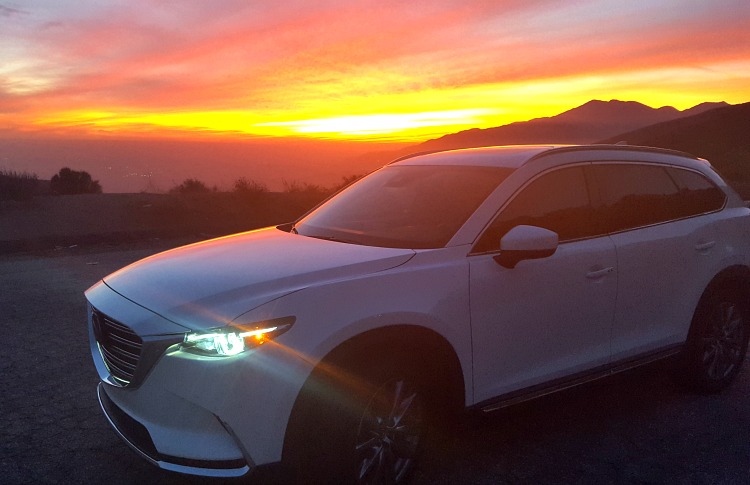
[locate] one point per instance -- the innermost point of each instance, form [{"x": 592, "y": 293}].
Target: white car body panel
[
  {"x": 431, "y": 291},
  {"x": 243, "y": 391},
  {"x": 543, "y": 319},
  {"x": 212, "y": 283},
  {"x": 659, "y": 268}
]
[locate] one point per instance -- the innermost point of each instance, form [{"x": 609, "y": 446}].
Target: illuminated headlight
[{"x": 235, "y": 339}]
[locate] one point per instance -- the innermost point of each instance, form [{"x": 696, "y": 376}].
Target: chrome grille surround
[{"x": 119, "y": 347}]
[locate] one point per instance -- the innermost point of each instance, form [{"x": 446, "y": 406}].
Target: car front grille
[{"x": 119, "y": 346}]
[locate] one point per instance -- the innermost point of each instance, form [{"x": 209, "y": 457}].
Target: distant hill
[
  {"x": 587, "y": 123},
  {"x": 721, "y": 135}
]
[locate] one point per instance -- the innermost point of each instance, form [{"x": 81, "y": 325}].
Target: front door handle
[
  {"x": 705, "y": 246},
  {"x": 599, "y": 273}
]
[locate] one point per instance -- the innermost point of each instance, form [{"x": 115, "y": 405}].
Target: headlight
[{"x": 235, "y": 339}]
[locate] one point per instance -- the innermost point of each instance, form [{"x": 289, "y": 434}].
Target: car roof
[
  {"x": 519, "y": 155},
  {"x": 500, "y": 156}
]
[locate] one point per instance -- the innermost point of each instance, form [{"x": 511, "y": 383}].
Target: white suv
[{"x": 462, "y": 279}]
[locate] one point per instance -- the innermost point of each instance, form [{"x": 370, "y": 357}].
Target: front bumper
[
  {"x": 192, "y": 414},
  {"x": 139, "y": 439}
]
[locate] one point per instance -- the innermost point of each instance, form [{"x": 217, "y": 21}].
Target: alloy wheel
[
  {"x": 389, "y": 434},
  {"x": 722, "y": 344}
]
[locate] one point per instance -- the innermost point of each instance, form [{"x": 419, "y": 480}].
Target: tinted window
[
  {"x": 641, "y": 195},
  {"x": 558, "y": 201},
  {"x": 698, "y": 195}
]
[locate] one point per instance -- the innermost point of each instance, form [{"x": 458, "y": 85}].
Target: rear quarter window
[
  {"x": 698, "y": 195},
  {"x": 635, "y": 195}
]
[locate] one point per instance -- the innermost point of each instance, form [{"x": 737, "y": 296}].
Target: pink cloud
[{"x": 162, "y": 55}]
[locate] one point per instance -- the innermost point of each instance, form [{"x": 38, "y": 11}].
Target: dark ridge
[
  {"x": 720, "y": 135},
  {"x": 587, "y": 123}
]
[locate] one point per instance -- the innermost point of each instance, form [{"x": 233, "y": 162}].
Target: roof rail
[
  {"x": 620, "y": 146},
  {"x": 417, "y": 154}
]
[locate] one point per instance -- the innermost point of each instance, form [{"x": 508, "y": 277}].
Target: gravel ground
[{"x": 637, "y": 427}]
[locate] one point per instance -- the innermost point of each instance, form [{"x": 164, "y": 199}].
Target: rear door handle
[
  {"x": 705, "y": 246},
  {"x": 599, "y": 273}
]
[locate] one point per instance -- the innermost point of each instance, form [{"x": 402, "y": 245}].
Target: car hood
[{"x": 212, "y": 283}]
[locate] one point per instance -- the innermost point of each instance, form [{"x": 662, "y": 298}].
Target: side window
[
  {"x": 698, "y": 195},
  {"x": 641, "y": 195},
  {"x": 558, "y": 201}
]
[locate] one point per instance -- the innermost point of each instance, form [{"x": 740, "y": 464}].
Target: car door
[
  {"x": 547, "y": 318},
  {"x": 666, "y": 245}
]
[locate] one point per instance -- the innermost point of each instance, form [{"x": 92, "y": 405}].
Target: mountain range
[
  {"x": 595, "y": 120},
  {"x": 720, "y": 135},
  {"x": 718, "y": 132}
]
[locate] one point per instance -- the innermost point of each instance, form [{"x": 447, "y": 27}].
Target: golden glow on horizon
[
  {"x": 390, "y": 125},
  {"x": 418, "y": 115}
]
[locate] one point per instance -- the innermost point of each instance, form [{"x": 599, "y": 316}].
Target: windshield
[{"x": 404, "y": 206}]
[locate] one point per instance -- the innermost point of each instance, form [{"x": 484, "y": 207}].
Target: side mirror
[{"x": 526, "y": 242}]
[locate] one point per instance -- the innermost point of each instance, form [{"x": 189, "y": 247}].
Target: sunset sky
[{"x": 374, "y": 70}]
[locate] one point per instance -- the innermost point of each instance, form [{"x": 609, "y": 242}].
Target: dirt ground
[{"x": 637, "y": 427}]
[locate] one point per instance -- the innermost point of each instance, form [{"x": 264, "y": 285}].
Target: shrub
[
  {"x": 245, "y": 186},
  {"x": 295, "y": 187},
  {"x": 346, "y": 180},
  {"x": 68, "y": 181},
  {"x": 18, "y": 185},
  {"x": 190, "y": 186}
]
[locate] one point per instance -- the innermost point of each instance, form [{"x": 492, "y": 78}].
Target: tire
[
  {"x": 364, "y": 425},
  {"x": 717, "y": 342}
]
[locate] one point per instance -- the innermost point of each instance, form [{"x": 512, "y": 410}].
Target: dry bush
[
  {"x": 249, "y": 190},
  {"x": 18, "y": 186},
  {"x": 190, "y": 186},
  {"x": 346, "y": 181}
]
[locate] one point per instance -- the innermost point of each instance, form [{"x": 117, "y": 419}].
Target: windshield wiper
[{"x": 335, "y": 239}]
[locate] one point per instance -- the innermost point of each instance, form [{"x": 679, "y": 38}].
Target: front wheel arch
[{"x": 424, "y": 356}]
